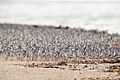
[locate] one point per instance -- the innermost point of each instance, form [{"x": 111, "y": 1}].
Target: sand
[{"x": 18, "y": 70}]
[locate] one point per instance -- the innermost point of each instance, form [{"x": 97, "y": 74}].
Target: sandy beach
[
  {"x": 49, "y": 70},
  {"x": 59, "y": 40},
  {"x": 35, "y": 52}
]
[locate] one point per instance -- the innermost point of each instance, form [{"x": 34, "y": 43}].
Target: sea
[{"x": 97, "y": 15}]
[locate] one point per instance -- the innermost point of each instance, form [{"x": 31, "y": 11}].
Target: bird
[
  {"x": 35, "y": 26},
  {"x": 59, "y": 27}
]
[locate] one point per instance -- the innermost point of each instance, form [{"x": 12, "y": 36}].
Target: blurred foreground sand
[{"x": 17, "y": 70}]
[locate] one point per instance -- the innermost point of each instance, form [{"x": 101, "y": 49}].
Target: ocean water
[{"x": 88, "y": 15}]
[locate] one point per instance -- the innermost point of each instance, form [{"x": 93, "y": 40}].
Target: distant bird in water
[
  {"x": 59, "y": 27},
  {"x": 35, "y": 26},
  {"x": 66, "y": 27}
]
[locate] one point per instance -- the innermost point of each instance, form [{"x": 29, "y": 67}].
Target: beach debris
[
  {"x": 74, "y": 69},
  {"x": 31, "y": 65},
  {"x": 62, "y": 68},
  {"x": 48, "y": 65},
  {"x": 75, "y": 79},
  {"x": 85, "y": 66},
  {"x": 109, "y": 70},
  {"x": 42, "y": 65},
  {"x": 62, "y": 63},
  {"x": 112, "y": 68},
  {"x": 87, "y": 62},
  {"x": 112, "y": 61}
]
